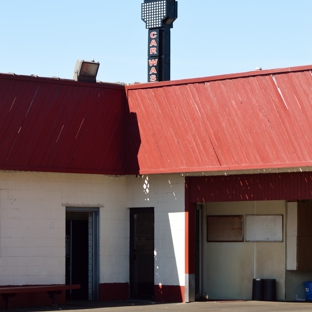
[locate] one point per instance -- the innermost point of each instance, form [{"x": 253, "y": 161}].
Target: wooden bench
[{"x": 52, "y": 290}]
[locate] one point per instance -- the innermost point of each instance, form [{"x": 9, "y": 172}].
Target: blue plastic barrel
[{"x": 308, "y": 290}]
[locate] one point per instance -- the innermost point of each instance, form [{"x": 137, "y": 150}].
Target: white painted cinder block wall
[
  {"x": 32, "y": 224},
  {"x": 165, "y": 193}
]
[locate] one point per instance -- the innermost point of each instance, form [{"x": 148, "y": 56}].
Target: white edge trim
[{"x": 83, "y": 205}]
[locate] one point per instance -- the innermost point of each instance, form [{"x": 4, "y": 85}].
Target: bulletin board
[
  {"x": 225, "y": 228},
  {"x": 264, "y": 228}
]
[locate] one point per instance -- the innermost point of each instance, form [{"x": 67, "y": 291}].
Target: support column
[{"x": 190, "y": 245}]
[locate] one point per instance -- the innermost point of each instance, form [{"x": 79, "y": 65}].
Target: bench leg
[
  {"x": 6, "y": 300},
  {"x": 53, "y": 295}
]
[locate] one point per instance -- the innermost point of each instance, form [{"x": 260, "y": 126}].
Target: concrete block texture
[
  {"x": 165, "y": 193},
  {"x": 32, "y": 222},
  {"x": 33, "y": 214}
]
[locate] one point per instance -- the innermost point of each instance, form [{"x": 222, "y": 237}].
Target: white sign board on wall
[{"x": 264, "y": 228}]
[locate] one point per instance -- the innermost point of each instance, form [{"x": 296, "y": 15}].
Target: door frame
[
  {"x": 95, "y": 231},
  {"x": 132, "y": 211},
  {"x": 199, "y": 252}
]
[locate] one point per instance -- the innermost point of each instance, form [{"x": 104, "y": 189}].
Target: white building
[{"x": 133, "y": 192}]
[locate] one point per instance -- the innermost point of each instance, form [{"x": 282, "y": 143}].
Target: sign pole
[{"x": 159, "y": 16}]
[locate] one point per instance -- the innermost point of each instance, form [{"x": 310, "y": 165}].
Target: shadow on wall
[
  {"x": 132, "y": 144},
  {"x": 295, "y": 284}
]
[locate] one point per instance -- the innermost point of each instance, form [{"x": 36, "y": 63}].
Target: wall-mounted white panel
[{"x": 264, "y": 228}]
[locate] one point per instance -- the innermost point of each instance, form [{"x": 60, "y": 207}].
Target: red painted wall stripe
[
  {"x": 113, "y": 291},
  {"x": 169, "y": 293}
]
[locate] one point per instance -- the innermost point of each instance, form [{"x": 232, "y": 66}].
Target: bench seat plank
[
  {"x": 52, "y": 290},
  {"x": 22, "y": 289}
]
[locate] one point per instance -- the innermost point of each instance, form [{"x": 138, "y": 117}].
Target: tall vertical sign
[
  {"x": 159, "y": 16},
  {"x": 153, "y": 55}
]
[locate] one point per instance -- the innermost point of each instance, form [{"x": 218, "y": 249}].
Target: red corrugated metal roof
[
  {"x": 61, "y": 125},
  {"x": 231, "y": 123},
  {"x": 255, "y": 120}
]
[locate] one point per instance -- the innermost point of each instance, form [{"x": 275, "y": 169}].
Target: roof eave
[
  {"x": 253, "y": 73},
  {"x": 233, "y": 170}
]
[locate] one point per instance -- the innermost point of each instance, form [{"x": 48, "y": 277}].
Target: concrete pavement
[{"x": 215, "y": 306}]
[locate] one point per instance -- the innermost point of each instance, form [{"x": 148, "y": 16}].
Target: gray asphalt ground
[{"x": 216, "y": 306}]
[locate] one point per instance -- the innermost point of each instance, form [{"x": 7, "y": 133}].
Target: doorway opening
[
  {"x": 82, "y": 252},
  {"x": 142, "y": 253},
  {"x": 198, "y": 254}
]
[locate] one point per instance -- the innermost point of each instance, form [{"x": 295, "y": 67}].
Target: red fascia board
[
  {"x": 205, "y": 170},
  {"x": 63, "y": 170},
  {"x": 219, "y": 77},
  {"x": 226, "y": 169}
]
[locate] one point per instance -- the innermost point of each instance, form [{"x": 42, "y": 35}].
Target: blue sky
[{"x": 46, "y": 37}]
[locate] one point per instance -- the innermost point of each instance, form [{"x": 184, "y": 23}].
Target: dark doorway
[
  {"x": 82, "y": 253},
  {"x": 142, "y": 253},
  {"x": 198, "y": 254}
]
